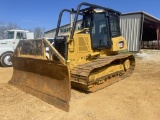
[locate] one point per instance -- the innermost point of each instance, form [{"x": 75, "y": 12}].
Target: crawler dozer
[{"x": 85, "y": 59}]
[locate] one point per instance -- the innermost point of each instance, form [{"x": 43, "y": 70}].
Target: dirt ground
[{"x": 134, "y": 98}]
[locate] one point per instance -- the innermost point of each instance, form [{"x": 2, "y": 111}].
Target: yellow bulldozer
[{"x": 85, "y": 59}]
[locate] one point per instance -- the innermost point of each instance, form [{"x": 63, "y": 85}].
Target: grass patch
[{"x": 128, "y": 52}]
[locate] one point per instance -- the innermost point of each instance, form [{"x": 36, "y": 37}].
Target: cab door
[
  {"x": 100, "y": 32},
  {"x": 19, "y": 36}
]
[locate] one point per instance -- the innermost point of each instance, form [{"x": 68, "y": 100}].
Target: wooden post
[
  {"x": 18, "y": 52},
  {"x": 50, "y": 54},
  {"x": 158, "y": 37},
  {"x": 44, "y": 50}
]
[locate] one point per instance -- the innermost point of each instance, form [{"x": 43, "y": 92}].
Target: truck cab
[{"x": 10, "y": 42}]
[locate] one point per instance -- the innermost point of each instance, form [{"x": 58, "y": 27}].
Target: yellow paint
[
  {"x": 80, "y": 50},
  {"x": 102, "y": 72}
]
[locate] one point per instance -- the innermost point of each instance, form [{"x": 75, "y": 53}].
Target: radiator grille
[
  {"x": 61, "y": 46},
  {"x": 83, "y": 47}
]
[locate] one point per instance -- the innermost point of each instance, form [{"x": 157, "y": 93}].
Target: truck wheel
[{"x": 6, "y": 60}]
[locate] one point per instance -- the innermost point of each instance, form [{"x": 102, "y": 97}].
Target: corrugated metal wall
[
  {"x": 50, "y": 34},
  {"x": 130, "y": 28}
]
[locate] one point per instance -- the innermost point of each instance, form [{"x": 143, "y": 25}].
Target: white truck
[{"x": 10, "y": 42}]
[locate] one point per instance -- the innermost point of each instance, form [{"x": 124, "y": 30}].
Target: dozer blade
[{"x": 45, "y": 79}]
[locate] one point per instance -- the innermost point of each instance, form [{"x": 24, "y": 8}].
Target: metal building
[
  {"x": 63, "y": 30},
  {"x": 140, "y": 29}
]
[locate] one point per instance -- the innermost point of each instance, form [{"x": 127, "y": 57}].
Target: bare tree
[
  {"x": 4, "y": 27},
  {"x": 38, "y": 32},
  {"x": 12, "y": 26}
]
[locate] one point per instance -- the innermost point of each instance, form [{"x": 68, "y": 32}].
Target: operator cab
[
  {"x": 103, "y": 26},
  {"x": 15, "y": 34}
]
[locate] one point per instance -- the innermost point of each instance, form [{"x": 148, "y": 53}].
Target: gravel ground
[{"x": 134, "y": 98}]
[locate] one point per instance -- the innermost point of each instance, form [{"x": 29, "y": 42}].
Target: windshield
[
  {"x": 9, "y": 35},
  {"x": 86, "y": 21},
  {"x": 100, "y": 31}
]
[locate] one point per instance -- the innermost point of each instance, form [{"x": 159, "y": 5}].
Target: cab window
[
  {"x": 9, "y": 35},
  {"x": 21, "y": 35},
  {"x": 114, "y": 25},
  {"x": 99, "y": 31}
]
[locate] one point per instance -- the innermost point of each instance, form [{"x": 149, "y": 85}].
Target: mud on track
[{"x": 136, "y": 97}]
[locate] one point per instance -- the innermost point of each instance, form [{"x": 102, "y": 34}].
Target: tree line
[{"x": 38, "y": 31}]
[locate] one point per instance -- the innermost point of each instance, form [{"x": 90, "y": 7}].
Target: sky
[{"x": 29, "y": 14}]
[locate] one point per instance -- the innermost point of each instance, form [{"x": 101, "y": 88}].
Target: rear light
[{"x": 121, "y": 44}]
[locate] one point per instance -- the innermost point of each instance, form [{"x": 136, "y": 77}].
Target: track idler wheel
[{"x": 126, "y": 64}]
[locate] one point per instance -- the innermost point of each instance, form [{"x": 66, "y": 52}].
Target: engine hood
[{"x": 6, "y": 40}]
